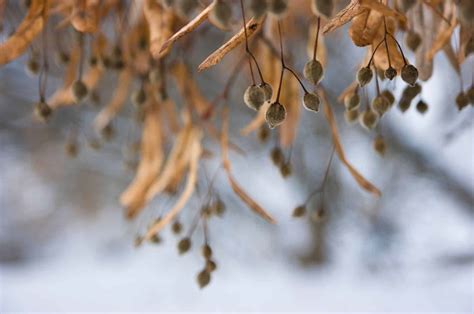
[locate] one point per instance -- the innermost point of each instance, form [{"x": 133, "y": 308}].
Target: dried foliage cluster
[{"x": 150, "y": 41}]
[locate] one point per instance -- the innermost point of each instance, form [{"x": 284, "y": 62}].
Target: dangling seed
[
  {"x": 176, "y": 227},
  {"x": 42, "y": 111},
  {"x": 184, "y": 245},
  {"x": 206, "y": 251},
  {"x": 404, "y": 104},
  {"x": 278, "y": 7},
  {"x": 411, "y": 92},
  {"x": 390, "y": 73},
  {"x": 311, "y": 102},
  {"x": 32, "y": 66},
  {"x": 277, "y": 156},
  {"x": 352, "y": 101},
  {"x": 79, "y": 90},
  {"x": 263, "y": 133},
  {"x": 210, "y": 265},
  {"x": 409, "y": 74},
  {"x": 351, "y": 116},
  {"x": 318, "y": 215},
  {"x": 388, "y": 96},
  {"x": 313, "y": 71},
  {"x": 62, "y": 58},
  {"x": 380, "y": 105},
  {"x": 285, "y": 170},
  {"x": 221, "y": 14},
  {"x": 219, "y": 207},
  {"x": 364, "y": 76},
  {"x": 412, "y": 40},
  {"x": 155, "y": 239},
  {"x": 299, "y": 211},
  {"x": 203, "y": 278},
  {"x": 379, "y": 145},
  {"x": 267, "y": 91},
  {"x": 138, "y": 97},
  {"x": 93, "y": 61},
  {"x": 71, "y": 149},
  {"x": 108, "y": 132},
  {"x": 369, "y": 119},
  {"x": 322, "y": 7},
  {"x": 258, "y": 7},
  {"x": 275, "y": 115},
  {"x": 462, "y": 100},
  {"x": 254, "y": 97},
  {"x": 422, "y": 107}
]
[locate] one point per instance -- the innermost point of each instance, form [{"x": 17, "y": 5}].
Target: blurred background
[{"x": 66, "y": 246}]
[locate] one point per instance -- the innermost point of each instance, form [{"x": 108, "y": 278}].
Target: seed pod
[
  {"x": 221, "y": 14},
  {"x": 155, "y": 239},
  {"x": 369, "y": 119},
  {"x": 263, "y": 133},
  {"x": 462, "y": 100},
  {"x": 322, "y": 7},
  {"x": 203, "y": 278},
  {"x": 285, "y": 169},
  {"x": 277, "y": 156},
  {"x": 351, "y": 116},
  {"x": 185, "y": 8},
  {"x": 299, "y": 211},
  {"x": 364, "y": 76},
  {"x": 469, "y": 48},
  {"x": 278, "y": 7},
  {"x": 254, "y": 97},
  {"x": 184, "y": 245},
  {"x": 210, "y": 265},
  {"x": 313, "y": 71},
  {"x": 275, "y": 115},
  {"x": 71, "y": 149},
  {"x": 206, "y": 251},
  {"x": 32, "y": 66},
  {"x": 404, "y": 104},
  {"x": 79, "y": 90},
  {"x": 138, "y": 97},
  {"x": 352, "y": 101},
  {"x": 176, "y": 227},
  {"x": 412, "y": 40},
  {"x": 42, "y": 111},
  {"x": 422, "y": 107},
  {"x": 409, "y": 74},
  {"x": 311, "y": 102},
  {"x": 379, "y": 145},
  {"x": 62, "y": 58},
  {"x": 108, "y": 132},
  {"x": 258, "y": 7},
  {"x": 470, "y": 94},
  {"x": 219, "y": 207},
  {"x": 267, "y": 90},
  {"x": 388, "y": 96},
  {"x": 411, "y": 92},
  {"x": 390, "y": 73},
  {"x": 380, "y": 105},
  {"x": 318, "y": 215}
]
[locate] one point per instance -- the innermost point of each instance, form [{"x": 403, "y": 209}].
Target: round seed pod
[
  {"x": 155, "y": 239},
  {"x": 206, "y": 251},
  {"x": 409, "y": 74},
  {"x": 311, "y": 102},
  {"x": 278, "y": 7},
  {"x": 176, "y": 227},
  {"x": 263, "y": 133},
  {"x": 352, "y": 101},
  {"x": 42, "y": 111},
  {"x": 210, "y": 265},
  {"x": 184, "y": 245},
  {"x": 138, "y": 97},
  {"x": 388, "y": 96},
  {"x": 221, "y": 14},
  {"x": 185, "y": 8},
  {"x": 93, "y": 61},
  {"x": 390, "y": 73},
  {"x": 285, "y": 169},
  {"x": 254, "y": 97},
  {"x": 470, "y": 94},
  {"x": 412, "y": 40},
  {"x": 380, "y": 105},
  {"x": 277, "y": 156},
  {"x": 379, "y": 145},
  {"x": 71, "y": 149},
  {"x": 411, "y": 92},
  {"x": 322, "y": 7},
  {"x": 462, "y": 100},
  {"x": 364, "y": 76},
  {"x": 62, "y": 58},
  {"x": 469, "y": 48},
  {"x": 351, "y": 116},
  {"x": 108, "y": 132},
  {"x": 267, "y": 90},
  {"x": 275, "y": 115},
  {"x": 299, "y": 211},
  {"x": 422, "y": 107},
  {"x": 369, "y": 119},
  {"x": 32, "y": 66},
  {"x": 313, "y": 71},
  {"x": 404, "y": 104},
  {"x": 258, "y": 7},
  {"x": 79, "y": 90},
  {"x": 203, "y": 278},
  {"x": 219, "y": 207}
]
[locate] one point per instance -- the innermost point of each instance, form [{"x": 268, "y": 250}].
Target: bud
[
  {"x": 390, "y": 73},
  {"x": 184, "y": 245},
  {"x": 221, "y": 14},
  {"x": 275, "y": 115},
  {"x": 351, "y": 116},
  {"x": 369, "y": 119},
  {"x": 409, "y": 74},
  {"x": 42, "y": 111},
  {"x": 422, "y": 107},
  {"x": 379, "y": 145},
  {"x": 311, "y": 102},
  {"x": 299, "y": 211},
  {"x": 278, "y": 7},
  {"x": 203, "y": 278},
  {"x": 322, "y": 7},
  {"x": 352, "y": 101},
  {"x": 258, "y": 7},
  {"x": 412, "y": 40},
  {"x": 254, "y": 97},
  {"x": 313, "y": 71},
  {"x": 79, "y": 90},
  {"x": 364, "y": 76}
]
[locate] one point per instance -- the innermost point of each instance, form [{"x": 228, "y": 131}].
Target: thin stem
[
  {"x": 43, "y": 77},
  {"x": 375, "y": 50},
  {"x": 320, "y": 188},
  {"x": 317, "y": 39},
  {"x": 399, "y": 47},
  {"x": 386, "y": 43}
]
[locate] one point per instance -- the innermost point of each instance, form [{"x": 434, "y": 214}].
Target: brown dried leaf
[
  {"x": 442, "y": 39},
  {"x": 344, "y": 16},
  {"x": 291, "y": 99},
  {"x": 160, "y": 24},
  {"x": 85, "y": 16},
  {"x": 383, "y": 9}
]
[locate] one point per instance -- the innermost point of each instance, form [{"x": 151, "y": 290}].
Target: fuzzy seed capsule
[
  {"x": 369, "y": 119},
  {"x": 267, "y": 91},
  {"x": 258, "y": 7},
  {"x": 275, "y": 115},
  {"x": 219, "y": 207},
  {"x": 278, "y": 7},
  {"x": 155, "y": 239},
  {"x": 412, "y": 40},
  {"x": 379, "y": 145},
  {"x": 322, "y": 7},
  {"x": 388, "y": 96},
  {"x": 285, "y": 170},
  {"x": 210, "y": 265},
  {"x": 184, "y": 245},
  {"x": 138, "y": 97},
  {"x": 411, "y": 92},
  {"x": 277, "y": 156},
  {"x": 221, "y": 14},
  {"x": 32, "y": 66},
  {"x": 351, "y": 116},
  {"x": 390, "y": 73},
  {"x": 206, "y": 251},
  {"x": 254, "y": 97},
  {"x": 404, "y": 104},
  {"x": 79, "y": 90},
  {"x": 311, "y": 102},
  {"x": 42, "y": 111},
  {"x": 409, "y": 74},
  {"x": 176, "y": 227},
  {"x": 462, "y": 100},
  {"x": 422, "y": 107},
  {"x": 313, "y": 71},
  {"x": 203, "y": 278},
  {"x": 380, "y": 105},
  {"x": 352, "y": 101},
  {"x": 364, "y": 76},
  {"x": 299, "y": 211}
]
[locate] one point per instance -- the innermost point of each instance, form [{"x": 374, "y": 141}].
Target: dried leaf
[
  {"x": 344, "y": 16},
  {"x": 442, "y": 39},
  {"x": 291, "y": 99},
  {"x": 383, "y": 9},
  {"x": 85, "y": 16},
  {"x": 160, "y": 24}
]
